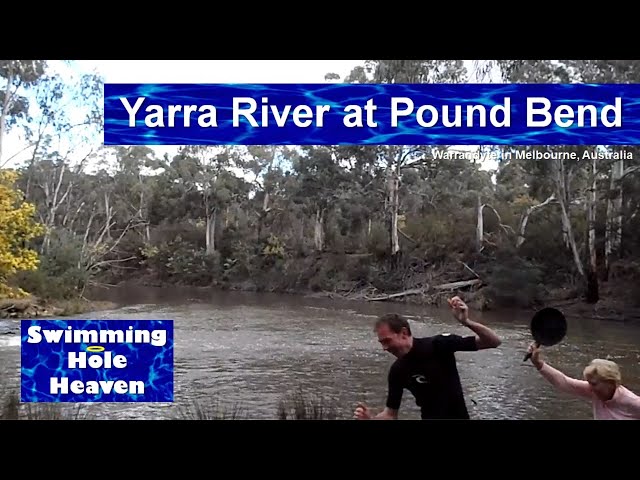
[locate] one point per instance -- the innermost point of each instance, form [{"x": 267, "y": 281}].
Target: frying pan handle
[{"x": 528, "y": 355}]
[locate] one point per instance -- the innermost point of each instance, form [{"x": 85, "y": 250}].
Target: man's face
[{"x": 394, "y": 343}]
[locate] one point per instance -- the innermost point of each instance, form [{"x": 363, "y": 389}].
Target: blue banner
[
  {"x": 97, "y": 361},
  {"x": 372, "y": 114}
]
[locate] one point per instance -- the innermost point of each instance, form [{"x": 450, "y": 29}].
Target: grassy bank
[{"x": 291, "y": 406}]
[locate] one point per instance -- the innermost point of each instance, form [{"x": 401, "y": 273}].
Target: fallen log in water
[
  {"x": 423, "y": 290},
  {"x": 413, "y": 291},
  {"x": 461, "y": 284}
]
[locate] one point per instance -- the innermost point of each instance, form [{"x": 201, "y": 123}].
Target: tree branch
[
  {"x": 525, "y": 218},
  {"x": 506, "y": 228},
  {"x": 629, "y": 170}
]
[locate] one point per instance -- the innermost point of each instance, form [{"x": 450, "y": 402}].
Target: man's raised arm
[{"x": 485, "y": 337}]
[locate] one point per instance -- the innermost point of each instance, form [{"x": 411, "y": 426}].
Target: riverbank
[
  {"x": 490, "y": 295},
  {"x": 33, "y": 307},
  {"x": 611, "y": 307},
  {"x": 608, "y": 308},
  {"x": 486, "y": 284}
]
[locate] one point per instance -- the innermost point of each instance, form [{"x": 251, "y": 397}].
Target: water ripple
[{"x": 254, "y": 353}]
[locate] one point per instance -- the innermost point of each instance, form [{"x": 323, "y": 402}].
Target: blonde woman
[{"x": 602, "y": 385}]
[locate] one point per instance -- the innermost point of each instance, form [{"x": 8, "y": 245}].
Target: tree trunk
[
  {"x": 108, "y": 213},
  {"x": 613, "y": 229},
  {"x": 53, "y": 202},
  {"x": 561, "y": 186},
  {"x": 6, "y": 104},
  {"x": 393, "y": 186},
  {"x": 262, "y": 215},
  {"x": 318, "y": 230},
  {"x": 592, "y": 294},
  {"x": 211, "y": 232},
  {"x": 142, "y": 210},
  {"x": 566, "y": 223},
  {"x": 479, "y": 225}
]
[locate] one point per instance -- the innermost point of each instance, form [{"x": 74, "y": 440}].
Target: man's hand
[
  {"x": 534, "y": 350},
  {"x": 485, "y": 337},
  {"x": 460, "y": 310},
  {"x": 362, "y": 412}
]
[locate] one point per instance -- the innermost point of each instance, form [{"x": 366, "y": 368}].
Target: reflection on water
[{"x": 249, "y": 350}]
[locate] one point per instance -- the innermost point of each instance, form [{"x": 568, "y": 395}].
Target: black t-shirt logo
[{"x": 420, "y": 379}]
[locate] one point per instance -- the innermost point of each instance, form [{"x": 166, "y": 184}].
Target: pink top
[{"x": 624, "y": 405}]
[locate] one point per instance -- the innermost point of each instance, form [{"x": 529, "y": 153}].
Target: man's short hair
[{"x": 394, "y": 321}]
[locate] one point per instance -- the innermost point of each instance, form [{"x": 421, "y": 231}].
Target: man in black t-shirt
[{"x": 427, "y": 366}]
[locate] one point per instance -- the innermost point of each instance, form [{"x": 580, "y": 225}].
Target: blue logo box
[{"x": 97, "y": 361}]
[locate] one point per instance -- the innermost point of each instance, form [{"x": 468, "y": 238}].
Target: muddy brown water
[{"x": 249, "y": 351}]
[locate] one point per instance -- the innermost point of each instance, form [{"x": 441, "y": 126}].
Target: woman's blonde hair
[{"x": 606, "y": 370}]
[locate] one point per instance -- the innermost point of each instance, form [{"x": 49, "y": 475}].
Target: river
[{"x": 248, "y": 351}]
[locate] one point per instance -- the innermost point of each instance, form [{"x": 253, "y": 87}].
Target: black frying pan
[{"x": 548, "y": 327}]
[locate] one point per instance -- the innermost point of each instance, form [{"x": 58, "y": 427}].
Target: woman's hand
[{"x": 534, "y": 350}]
